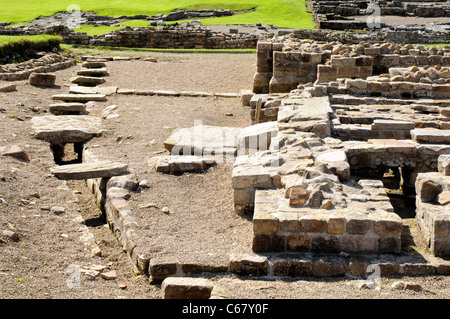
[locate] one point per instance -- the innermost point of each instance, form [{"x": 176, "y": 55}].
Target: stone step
[
  {"x": 431, "y": 136},
  {"x": 66, "y": 108},
  {"x": 59, "y": 130},
  {"x": 79, "y": 97},
  {"x": 346, "y": 99},
  {"x": 93, "y": 65},
  {"x": 83, "y": 171},
  {"x": 87, "y": 80},
  {"x": 93, "y": 72},
  {"x": 379, "y": 125},
  {"x": 83, "y": 90}
]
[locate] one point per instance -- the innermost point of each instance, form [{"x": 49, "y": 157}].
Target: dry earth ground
[{"x": 201, "y": 222}]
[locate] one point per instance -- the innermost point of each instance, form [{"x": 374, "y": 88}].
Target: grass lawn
[
  {"x": 4, "y": 40},
  {"x": 281, "y": 13}
]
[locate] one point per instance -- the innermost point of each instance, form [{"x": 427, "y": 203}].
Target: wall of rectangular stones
[
  {"x": 346, "y": 67},
  {"x": 433, "y": 213},
  {"x": 165, "y": 38},
  {"x": 293, "y": 68},
  {"x": 341, "y": 230}
]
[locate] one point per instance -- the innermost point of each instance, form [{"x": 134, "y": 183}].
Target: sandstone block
[
  {"x": 186, "y": 288},
  {"x": 42, "y": 79}
]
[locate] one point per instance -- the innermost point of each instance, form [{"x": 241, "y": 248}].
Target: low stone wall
[
  {"x": 166, "y": 38},
  {"x": 281, "y": 67},
  {"x": 49, "y": 63},
  {"x": 432, "y": 213}
]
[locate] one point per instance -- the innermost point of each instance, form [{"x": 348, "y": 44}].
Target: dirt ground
[{"x": 201, "y": 221}]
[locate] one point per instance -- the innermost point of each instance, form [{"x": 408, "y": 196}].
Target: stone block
[
  {"x": 83, "y": 171},
  {"x": 358, "y": 225},
  {"x": 336, "y": 225},
  {"x": 353, "y": 243},
  {"x": 292, "y": 267},
  {"x": 246, "y": 96},
  {"x": 187, "y": 288},
  {"x": 289, "y": 222},
  {"x": 42, "y": 79},
  {"x": 251, "y": 177},
  {"x": 297, "y": 196},
  {"x": 431, "y": 136},
  {"x": 324, "y": 267},
  {"x": 246, "y": 264},
  {"x": 313, "y": 224},
  {"x": 389, "y": 245},
  {"x": 297, "y": 242},
  {"x": 264, "y": 222},
  {"x": 265, "y": 242},
  {"x": 390, "y": 228}
]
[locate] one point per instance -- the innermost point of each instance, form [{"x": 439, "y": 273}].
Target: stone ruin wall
[
  {"x": 282, "y": 68},
  {"x": 337, "y": 14},
  {"x": 160, "y": 37},
  {"x": 366, "y": 108}
]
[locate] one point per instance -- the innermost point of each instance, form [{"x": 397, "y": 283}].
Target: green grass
[
  {"x": 14, "y": 49},
  {"x": 281, "y": 13},
  {"x": 4, "y": 40}
]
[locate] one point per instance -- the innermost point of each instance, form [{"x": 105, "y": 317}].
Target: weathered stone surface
[
  {"x": 93, "y": 72},
  {"x": 431, "y": 136},
  {"x": 125, "y": 181},
  {"x": 245, "y": 264},
  {"x": 379, "y": 125},
  {"x": 187, "y": 288},
  {"x": 15, "y": 151},
  {"x": 292, "y": 267},
  {"x": 79, "y": 97},
  {"x": 7, "y": 88},
  {"x": 59, "y": 130},
  {"x": 444, "y": 164},
  {"x": 42, "y": 79},
  {"x": 428, "y": 190},
  {"x": 203, "y": 140},
  {"x": 93, "y": 65},
  {"x": 297, "y": 196},
  {"x": 258, "y": 136},
  {"x": 250, "y": 177},
  {"x": 337, "y": 163},
  {"x": 107, "y": 90},
  {"x": 67, "y": 108},
  {"x": 87, "y": 80},
  {"x": 83, "y": 90},
  {"x": 183, "y": 163},
  {"x": 89, "y": 170}
]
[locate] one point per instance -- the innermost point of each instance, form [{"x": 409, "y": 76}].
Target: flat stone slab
[
  {"x": 93, "y": 65},
  {"x": 166, "y": 93},
  {"x": 172, "y": 164},
  {"x": 93, "y": 72},
  {"x": 380, "y": 125},
  {"x": 203, "y": 140},
  {"x": 7, "y": 88},
  {"x": 83, "y": 90},
  {"x": 59, "y": 130},
  {"x": 66, "y": 108},
  {"x": 431, "y": 136},
  {"x": 79, "y": 97},
  {"x": 107, "y": 90},
  {"x": 87, "y": 80},
  {"x": 84, "y": 171},
  {"x": 187, "y": 288}
]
